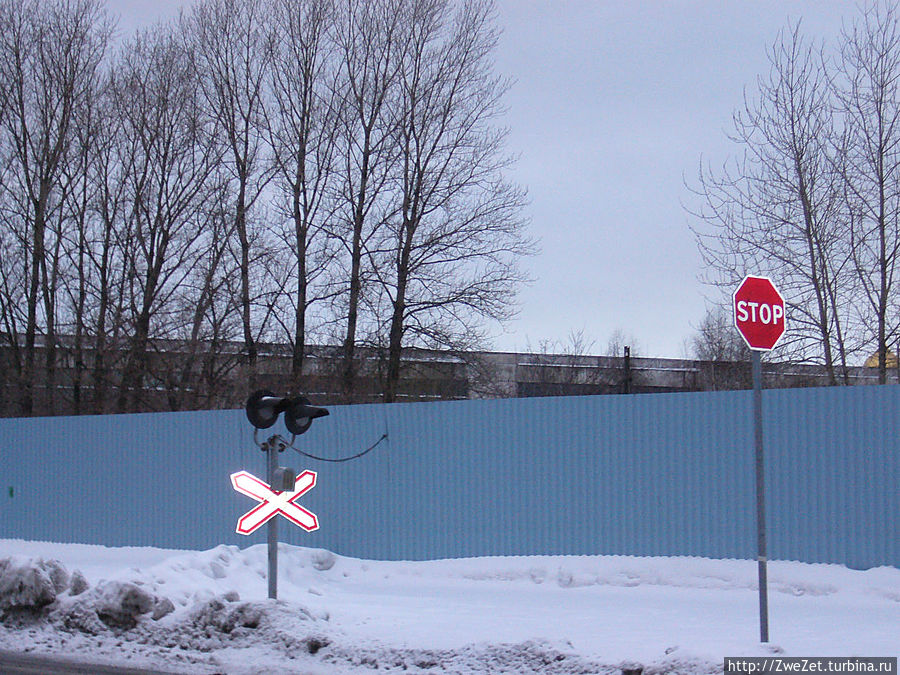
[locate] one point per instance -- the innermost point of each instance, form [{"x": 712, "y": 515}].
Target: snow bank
[
  {"x": 208, "y": 612},
  {"x": 28, "y": 585}
]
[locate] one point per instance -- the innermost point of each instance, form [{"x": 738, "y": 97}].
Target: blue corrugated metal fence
[{"x": 660, "y": 474}]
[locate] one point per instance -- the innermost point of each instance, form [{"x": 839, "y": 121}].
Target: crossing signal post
[{"x": 263, "y": 409}]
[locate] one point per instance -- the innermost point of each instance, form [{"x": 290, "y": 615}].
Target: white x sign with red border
[{"x": 273, "y": 502}]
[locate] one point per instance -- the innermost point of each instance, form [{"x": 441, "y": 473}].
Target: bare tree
[
  {"x": 78, "y": 174},
  {"x": 717, "y": 339},
  {"x": 170, "y": 155},
  {"x": 619, "y": 340},
  {"x": 869, "y": 95},
  {"x": 107, "y": 241},
  {"x": 369, "y": 42},
  {"x": 49, "y": 54},
  {"x": 565, "y": 368},
  {"x": 134, "y": 188},
  {"x": 723, "y": 355},
  {"x": 207, "y": 315},
  {"x": 230, "y": 43},
  {"x": 778, "y": 211},
  {"x": 303, "y": 125},
  {"x": 11, "y": 280},
  {"x": 448, "y": 259}
]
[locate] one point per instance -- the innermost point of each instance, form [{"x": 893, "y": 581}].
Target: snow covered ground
[{"x": 207, "y": 612}]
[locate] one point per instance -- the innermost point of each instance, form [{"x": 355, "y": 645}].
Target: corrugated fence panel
[
  {"x": 833, "y": 472},
  {"x": 352, "y": 499},
  {"x": 661, "y": 474},
  {"x": 118, "y": 480}
]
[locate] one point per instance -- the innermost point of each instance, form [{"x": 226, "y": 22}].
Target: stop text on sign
[
  {"x": 759, "y": 313},
  {"x": 766, "y": 314}
]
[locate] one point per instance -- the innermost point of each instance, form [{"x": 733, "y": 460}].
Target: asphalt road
[{"x": 18, "y": 663}]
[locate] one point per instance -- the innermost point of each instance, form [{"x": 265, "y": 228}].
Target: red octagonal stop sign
[{"x": 759, "y": 313}]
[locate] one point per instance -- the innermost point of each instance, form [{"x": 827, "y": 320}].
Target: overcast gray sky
[{"x": 614, "y": 104}]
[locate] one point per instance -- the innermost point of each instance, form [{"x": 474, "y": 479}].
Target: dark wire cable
[{"x": 340, "y": 459}]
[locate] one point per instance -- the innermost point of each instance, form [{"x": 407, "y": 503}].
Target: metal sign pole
[
  {"x": 760, "y": 499},
  {"x": 263, "y": 408},
  {"x": 761, "y": 318},
  {"x": 272, "y": 534}
]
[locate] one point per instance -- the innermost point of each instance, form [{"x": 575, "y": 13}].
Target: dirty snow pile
[{"x": 207, "y": 612}]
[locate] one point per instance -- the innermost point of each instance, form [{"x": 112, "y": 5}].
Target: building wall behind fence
[{"x": 660, "y": 474}]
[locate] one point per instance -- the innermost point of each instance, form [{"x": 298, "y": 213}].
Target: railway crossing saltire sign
[{"x": 274, "y": 502}]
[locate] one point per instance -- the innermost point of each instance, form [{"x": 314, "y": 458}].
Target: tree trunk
[
  {"x": 37, "y": 256},
  {"x": 300, "y": 230},
  {"x": 241, "y": 223},
  {"x": 398, "y": 316},
  {"x": 349, "y": 371}
]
